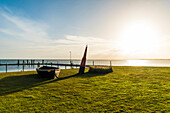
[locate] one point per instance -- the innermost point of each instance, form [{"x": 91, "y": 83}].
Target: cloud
[
  {"x": 37, "y": 32},
  {"x": 31, "y": 38},
  {"x": 79, "y": 40},
  {"x": 23, "y": 28}
]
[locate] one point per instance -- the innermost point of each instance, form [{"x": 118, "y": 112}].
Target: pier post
[
  {"x": 51, "y": 64},
  {"x": 65, "y": 66},
  {"x": 71, "y": 65},
  {"x": 93, "y": 62},
  {"x": 38, "y": 64},
  {"x": 23, "y": 66},
  {"x": 42, "y": 62},
  {"x": 6, "y": 67},
  {"x": 18, "y": 62},
  {"x": 110, "y": 63}
]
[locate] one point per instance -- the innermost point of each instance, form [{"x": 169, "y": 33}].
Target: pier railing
[{"x": 32, "y": 63}]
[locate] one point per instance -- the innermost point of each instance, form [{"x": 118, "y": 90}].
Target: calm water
[{"x": 158, "y": 63}]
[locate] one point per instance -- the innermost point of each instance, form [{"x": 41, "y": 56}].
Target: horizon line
[{"x": 78, "y": 59}]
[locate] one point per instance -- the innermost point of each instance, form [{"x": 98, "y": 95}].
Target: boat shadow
[
  {"x": 85, "y": 75},
  {"x": 13, "y": 84}
]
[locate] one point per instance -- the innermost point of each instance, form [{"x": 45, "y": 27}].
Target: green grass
[{"x": 127, "y": 89}]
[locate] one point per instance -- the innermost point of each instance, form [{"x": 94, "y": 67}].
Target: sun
[{"x": 138, "y": 36}]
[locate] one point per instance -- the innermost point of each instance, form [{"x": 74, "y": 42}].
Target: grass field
[{"x": 127, "y": 89}]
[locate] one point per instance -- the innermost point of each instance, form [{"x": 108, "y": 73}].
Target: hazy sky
[{"x": 114, "y": 29}]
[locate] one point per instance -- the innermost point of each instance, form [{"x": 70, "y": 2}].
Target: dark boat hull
[{"x": 48, "y": 72}]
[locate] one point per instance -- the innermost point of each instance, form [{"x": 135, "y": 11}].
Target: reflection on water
[
  {"x": 154, "y": 63},
  {"x": 137, "y": 62}
]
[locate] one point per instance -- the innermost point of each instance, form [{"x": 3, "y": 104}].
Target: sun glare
[
  {"x": 138, "y": 36},
  {"x": 137, "y": 62}
]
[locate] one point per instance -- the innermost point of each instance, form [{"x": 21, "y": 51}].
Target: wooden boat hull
[{"x": 48, "y": 72}]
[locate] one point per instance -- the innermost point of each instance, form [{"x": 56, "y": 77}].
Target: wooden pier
[
  {"x": 40, "y": 64},
  {"x": 24, "y": 63}
]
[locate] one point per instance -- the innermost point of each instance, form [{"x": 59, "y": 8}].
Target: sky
[{"x": 112, "y": 29}]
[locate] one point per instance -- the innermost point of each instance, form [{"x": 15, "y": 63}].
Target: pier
[
  {"x": 39, "y": 64},
  {"x": 30, "y": 63}
]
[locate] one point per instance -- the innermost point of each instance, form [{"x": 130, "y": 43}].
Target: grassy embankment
[{"x": 127, "y": 89}]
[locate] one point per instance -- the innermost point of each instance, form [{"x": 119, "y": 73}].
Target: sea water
[{"x": 14, "y": 68}]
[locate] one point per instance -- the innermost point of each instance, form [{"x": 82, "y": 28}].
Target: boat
[{"x": 48, "y": 72}]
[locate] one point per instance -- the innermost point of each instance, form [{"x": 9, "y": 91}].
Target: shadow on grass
[
  {"x": 12, "y": 84},
  {"x": 89, "y": 74},
  {"x": 85, "y": 75}
]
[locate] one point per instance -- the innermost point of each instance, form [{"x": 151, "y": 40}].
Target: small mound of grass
[{"x": 100, "y": 69}]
